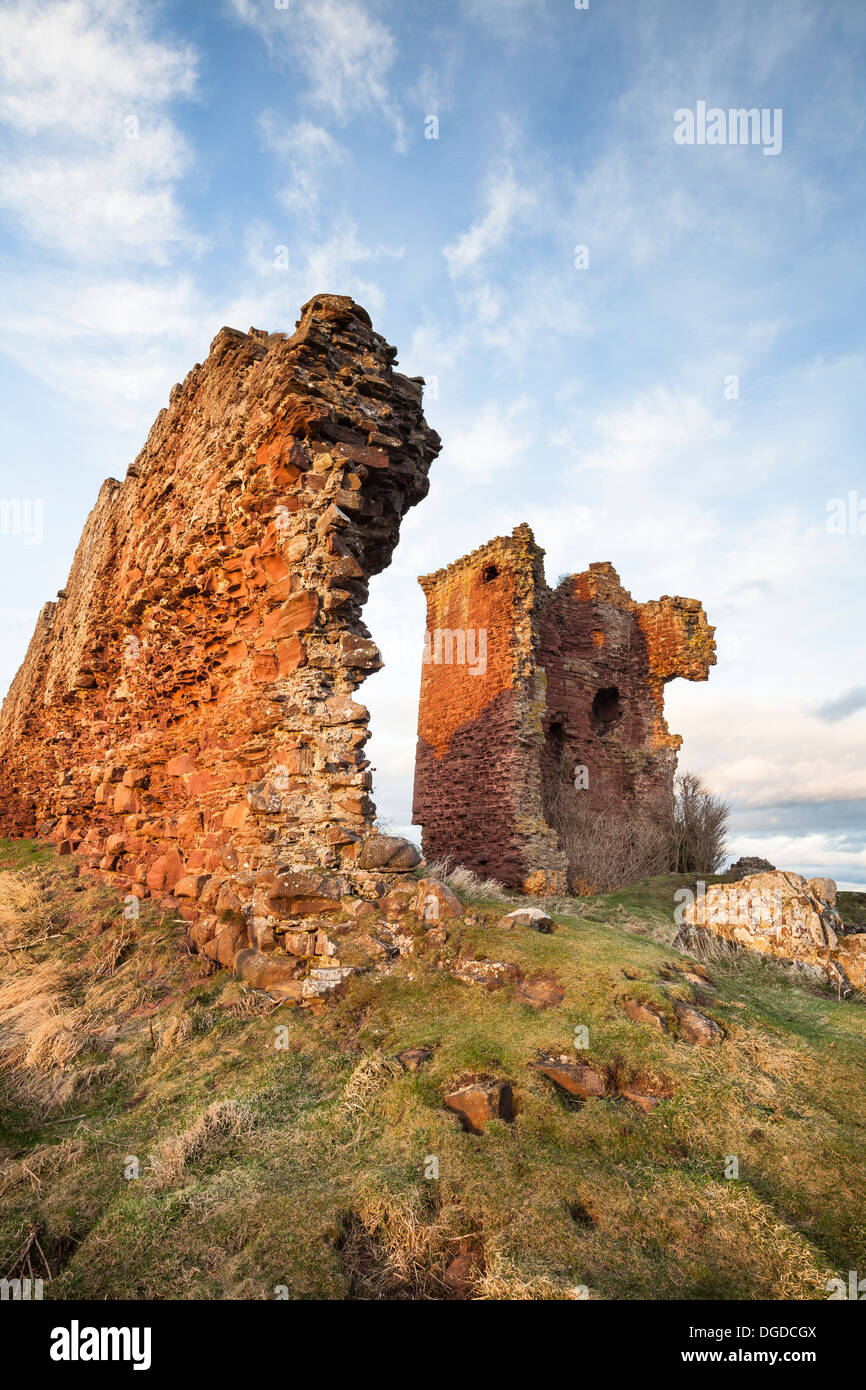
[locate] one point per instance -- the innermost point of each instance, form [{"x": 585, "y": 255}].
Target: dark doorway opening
[{"x": 606, "y": 709}]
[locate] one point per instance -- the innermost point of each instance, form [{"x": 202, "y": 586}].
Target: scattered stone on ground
[
  {"x": 644, "y": 1013},
  {"x": 435, "y": 902},
  {"x": 533, "y": 917},
  {"x": 695, "y": 1027},
  {"x": 413, "y": 1058},
  {"x": 646, "y": 1102},
  {"x": 388, "y": 853},
  {"x": 491, "y": 974},
  {"x": 576, "y": 1079},
  {"x": 460, "y": 1276},
  {"x": 479, "y": 1102},
  {"x": 539, "y": 992}
]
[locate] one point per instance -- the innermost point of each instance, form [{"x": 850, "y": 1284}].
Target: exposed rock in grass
[
  {"x": 646, "y": 1103},
  {"x": 413, "y": 1058},
  {"x": 277, "y": 975},
  {"x": 644, "y": 1013},
  {"x": 480, "y": 1102},
  {"x": 460, "y": 1276},
  {"x": 532, "y": 917},
  {"x": 490, "y": 974},
  {"x": 696, "y": 1028},
  {"x": 539, "y": 992},
  {"x": 782, "y": 915},
  {"x": 436, "y": 902},
  {"x": 577, "y": 1080}
]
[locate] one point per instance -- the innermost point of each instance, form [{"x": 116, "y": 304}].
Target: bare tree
[
  {"x": 608, "y": 844},
  {"x": 699, "y": 827}
]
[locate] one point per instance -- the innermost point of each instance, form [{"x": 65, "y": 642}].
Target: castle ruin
[
  {"x": 184, "y": 719},
  {"x": 519, "y": 681}
]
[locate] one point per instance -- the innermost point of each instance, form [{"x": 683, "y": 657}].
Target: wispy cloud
[
  {"x": 307, "y": 150},
  {"x": 345, "y": 54},
  {"x": 507, "y": 200},
  {"x": 92, "y": 157}
]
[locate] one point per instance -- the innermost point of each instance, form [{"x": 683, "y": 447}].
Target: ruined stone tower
[
  {"x": 519, "y": 680},
  {"x": 184, "y": 718}
]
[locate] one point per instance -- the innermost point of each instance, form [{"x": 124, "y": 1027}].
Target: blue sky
[{"x": 154, "y": 157}]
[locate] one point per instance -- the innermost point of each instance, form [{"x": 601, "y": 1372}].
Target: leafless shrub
[
  {"x": 608, "y": 845},
  {"x": 699, "y": 826}
]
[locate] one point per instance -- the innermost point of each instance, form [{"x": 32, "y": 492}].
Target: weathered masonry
[
  {"x": 520, "y": 681},
  {"x": 184, "y": 718}
]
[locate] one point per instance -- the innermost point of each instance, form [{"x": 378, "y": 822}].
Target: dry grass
[
  {"x": 41, "y": 1035},
  {"x": 503, "y": 1280},
  {"x": 222, "y": 1119},
  {"x": 24, "y": 909},
  {"x": 390, "y": 1251},
  {"x": 39, "y": 1166},
  {"x": 369, "y": 1077},
  {"x": 176, "y": 1032},
  {"x": 467, "y": 884}
]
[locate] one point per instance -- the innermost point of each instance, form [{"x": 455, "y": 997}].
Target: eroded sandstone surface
[
  {"x": 184, "y": 719},
  {"x": 782, "y": 915}
]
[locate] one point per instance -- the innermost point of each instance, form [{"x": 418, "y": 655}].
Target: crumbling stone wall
[
  {"x": 573, "y": 676},
  {"x": 184, "y": 718}
]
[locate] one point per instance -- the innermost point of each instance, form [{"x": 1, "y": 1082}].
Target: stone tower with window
[{"x": 523, "y": 685}]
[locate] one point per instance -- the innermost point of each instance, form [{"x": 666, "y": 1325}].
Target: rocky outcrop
[
  {"x": 782, "y": 915},
  {"x": 523, "y": 685},
  {"x": 746, "y": 865},
  {"x": 184, "y": 719}
]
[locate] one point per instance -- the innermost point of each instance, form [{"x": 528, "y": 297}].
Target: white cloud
[
  {"x": 645, "y": 432},
  {"x": 307, "y": 150},
  {"x": 490, "y": 445},
  {"x": 345, "y": 54},
  {"x": 507, "y": 200},
  {"x": 93, "y": 159},
  {"x": 76, "y": 68}
]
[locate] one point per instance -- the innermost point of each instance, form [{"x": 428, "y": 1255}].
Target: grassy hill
[{"x": 283, "y": 1152}]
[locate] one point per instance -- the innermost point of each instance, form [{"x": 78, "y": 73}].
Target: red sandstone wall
[
  {"x": 477, "y": 770},
  {"x": 490, "y": 749},
  {"x": 184, "y": 717}
]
